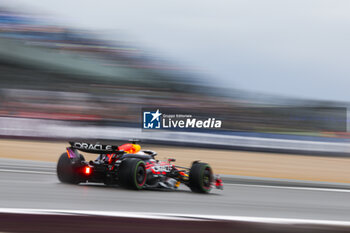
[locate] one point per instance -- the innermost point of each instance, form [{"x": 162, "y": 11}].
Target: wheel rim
[
  {"x": 141, "y": 175},
  {"x": 207, "y": 178}
]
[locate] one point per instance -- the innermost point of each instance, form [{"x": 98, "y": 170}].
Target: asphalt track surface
[{"x": 34, "y": 185}]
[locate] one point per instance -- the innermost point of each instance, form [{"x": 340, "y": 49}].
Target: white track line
[
  {"x": 293, "y": 187},
  {"x": 175, "y": 216},
  {"x": 98, "y": 213},
  {"x": 27, "y": 171}
]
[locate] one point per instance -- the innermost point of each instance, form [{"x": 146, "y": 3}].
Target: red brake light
[{"x": 87, "y": 170}]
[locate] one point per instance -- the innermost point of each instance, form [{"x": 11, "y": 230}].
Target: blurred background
[{"x": 62, "y": 72}]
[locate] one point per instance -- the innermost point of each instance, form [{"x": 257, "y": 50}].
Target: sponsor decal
[
  {"x": 162, "y": 168},
  {"x": 88, "y": 146}
]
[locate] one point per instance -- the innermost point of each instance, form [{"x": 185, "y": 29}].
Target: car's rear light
[{"x": 87, "y": 170}]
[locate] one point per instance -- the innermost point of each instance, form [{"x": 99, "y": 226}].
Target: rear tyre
[
  {"x": 132, "y": 174},
  {"x": 66, "y": 172},
  {"x": 201, "y": 177}
]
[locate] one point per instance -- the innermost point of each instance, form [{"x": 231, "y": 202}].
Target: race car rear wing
[{"x": 95, "y": 148}]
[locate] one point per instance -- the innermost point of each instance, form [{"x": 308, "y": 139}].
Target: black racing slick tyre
[
  {"x": 201, "y": 178},
  {"x": 132, "y": 174},
  {"x": 66, "y": 172}
]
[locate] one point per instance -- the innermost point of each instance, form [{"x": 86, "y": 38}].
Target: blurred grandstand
[{"x": 52, "y": 72}]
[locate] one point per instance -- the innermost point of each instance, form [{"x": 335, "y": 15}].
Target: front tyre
[
  {"x": 201, "y": 178},
  {"x": 132, "y": 173},
  {"x": 66, "y": 172}
]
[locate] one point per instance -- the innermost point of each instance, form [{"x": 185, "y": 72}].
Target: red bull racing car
[{"x": 129, "y": 166}]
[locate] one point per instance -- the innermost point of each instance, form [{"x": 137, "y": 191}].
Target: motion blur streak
[{"x": 54, "y": 72}]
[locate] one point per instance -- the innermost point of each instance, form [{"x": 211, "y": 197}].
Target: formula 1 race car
[{"x": 128, "y": 166}]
